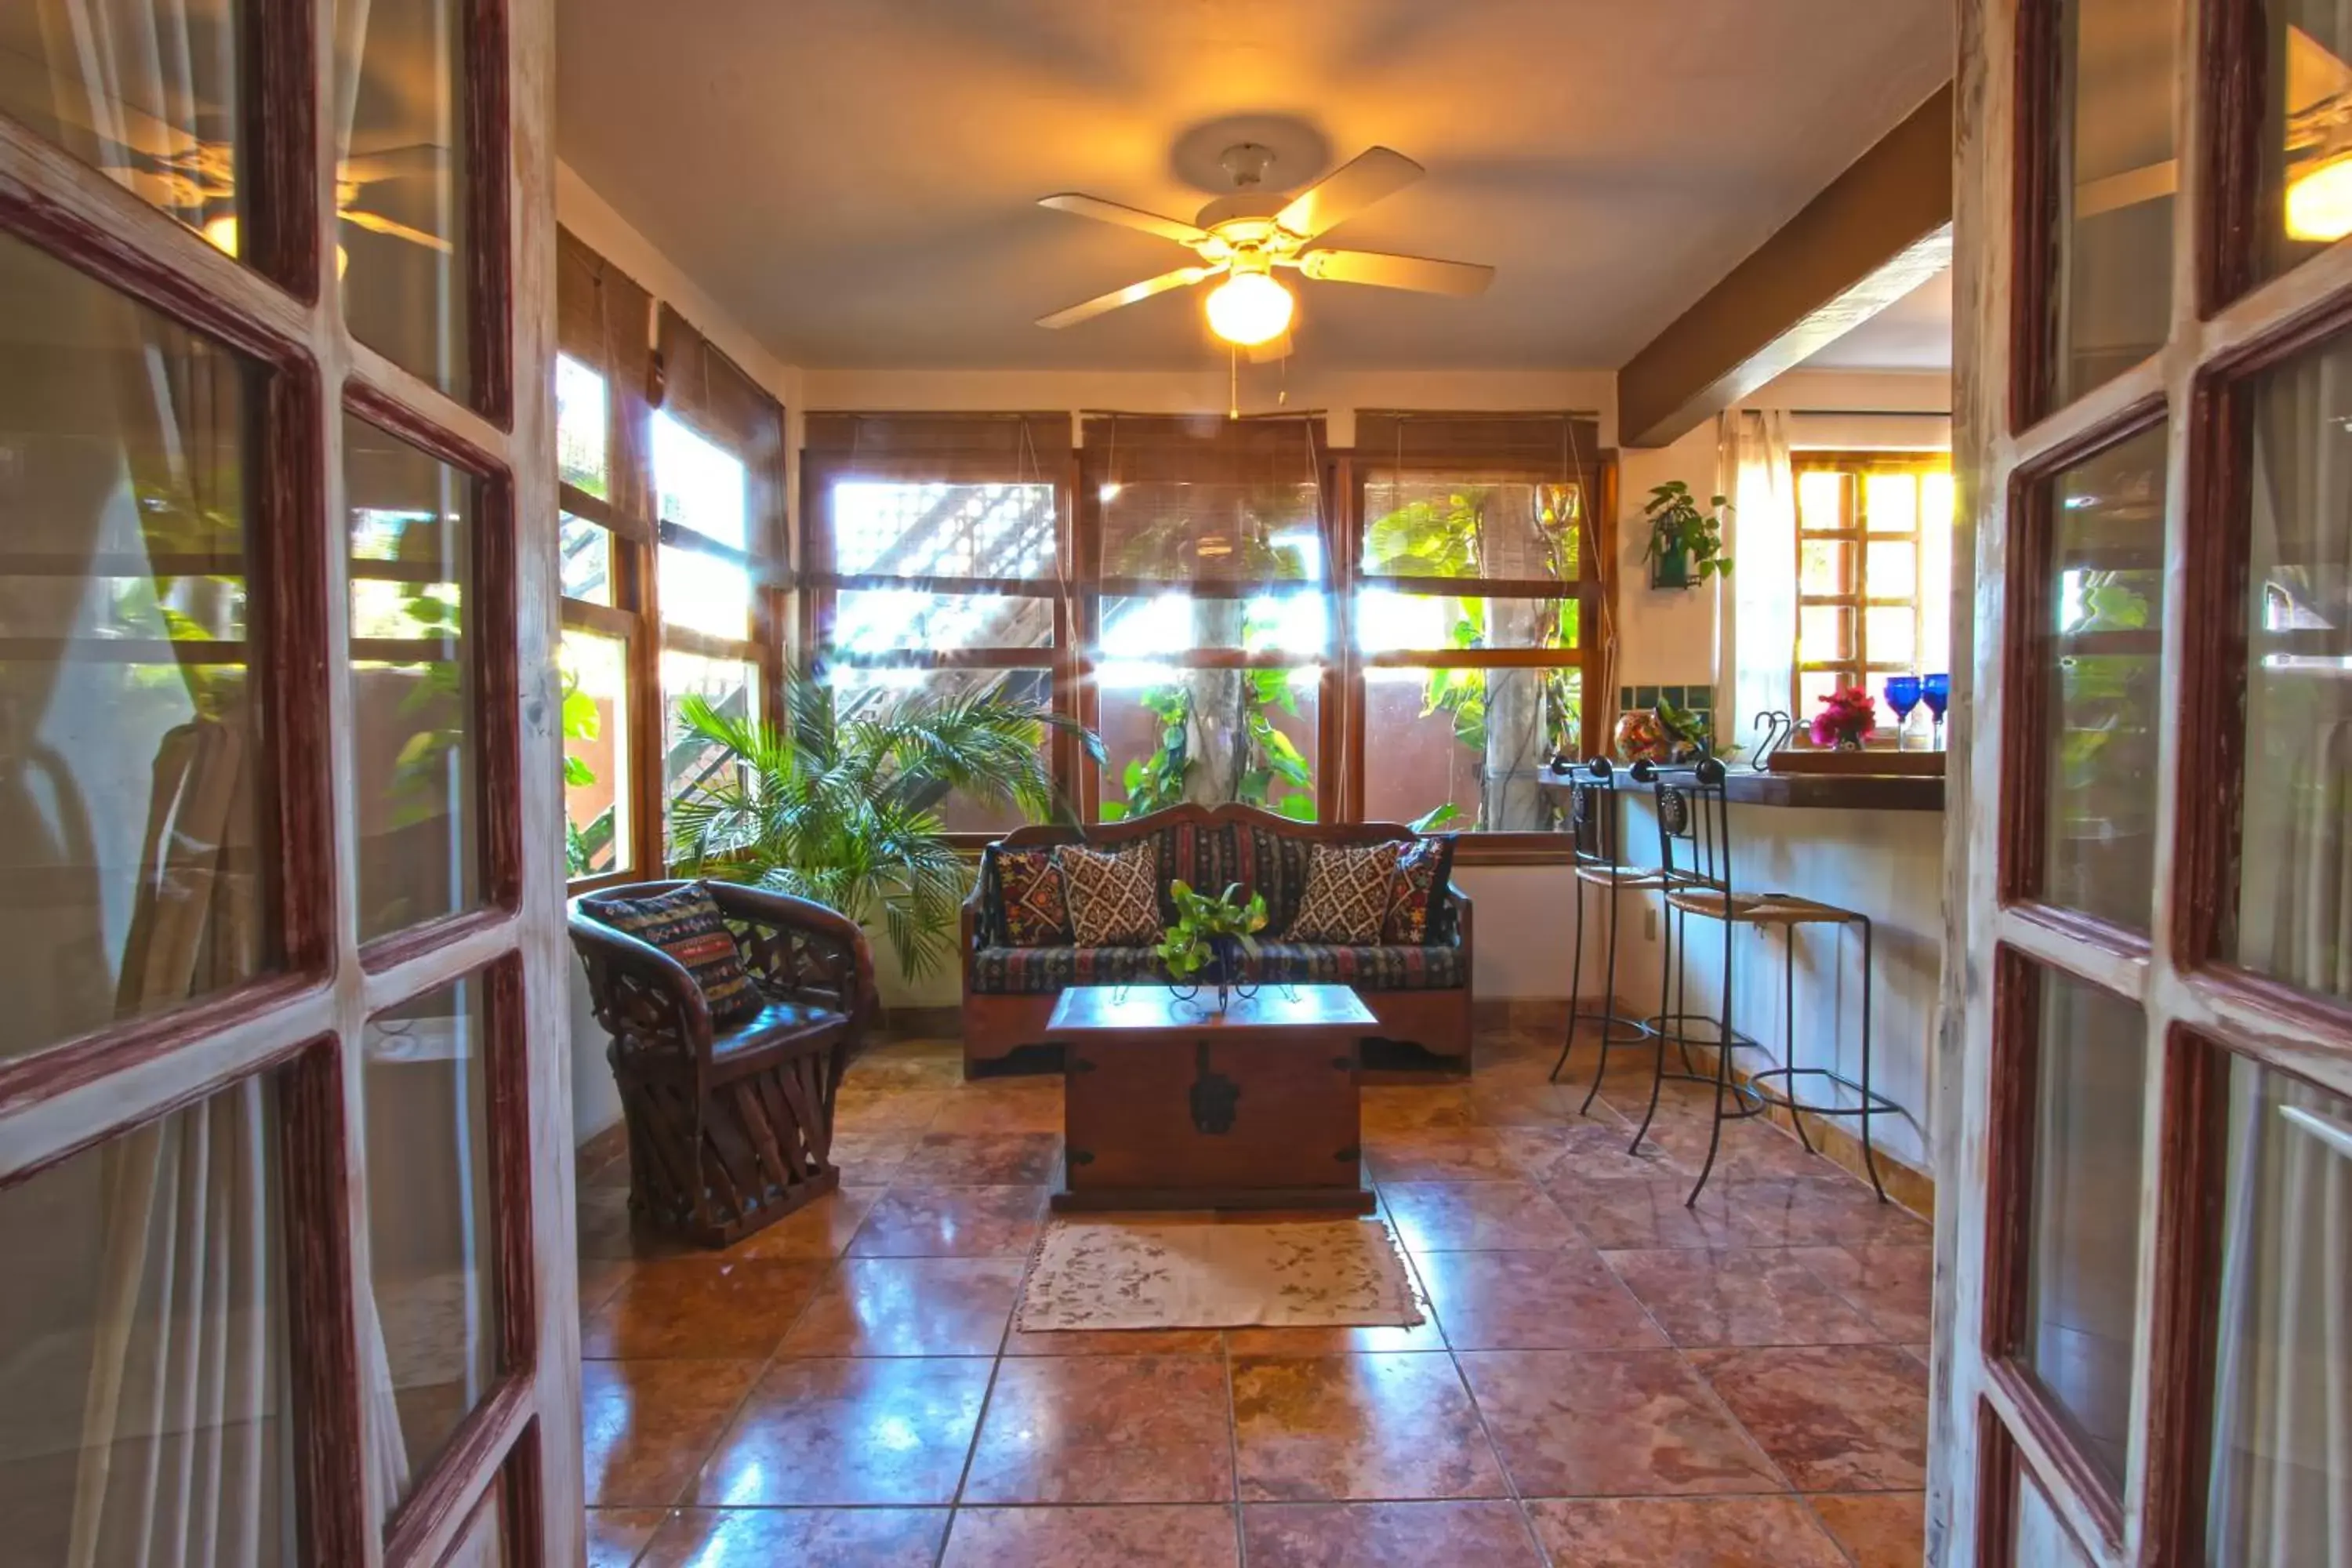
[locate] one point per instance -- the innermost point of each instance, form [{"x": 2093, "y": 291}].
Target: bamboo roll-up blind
[
  {"x": 709, "y": 391},
  {"x": 603, "y": 318}
]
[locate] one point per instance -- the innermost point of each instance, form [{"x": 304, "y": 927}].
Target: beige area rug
[{"x": 1208, "y": 1274}]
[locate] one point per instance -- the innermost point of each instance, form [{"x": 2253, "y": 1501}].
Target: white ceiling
[
  {"x": 856, "y": 179},
  {"x": 1913, "y": 333}
]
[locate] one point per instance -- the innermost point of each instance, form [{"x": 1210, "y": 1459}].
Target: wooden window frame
[{"x": 1854, "y": 531}]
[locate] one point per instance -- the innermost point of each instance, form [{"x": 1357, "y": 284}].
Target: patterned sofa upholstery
[{"x": 1420, "y": 993}]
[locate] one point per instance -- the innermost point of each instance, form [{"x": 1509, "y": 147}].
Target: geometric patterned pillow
[
  {"x": 1347, "y": 896},
  {"x": 1032, "y": 898},
  {"x": 1114, "y": 899},
  {"x": 684, "y": 924},
  {"x": 1419, "y": 881}
]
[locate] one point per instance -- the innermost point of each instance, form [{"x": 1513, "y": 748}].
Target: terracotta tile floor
[{"x": 1606, "y": 1377}]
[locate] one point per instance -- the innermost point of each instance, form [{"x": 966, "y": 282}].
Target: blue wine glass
[
  {"x": 1902, "y": 695},
  {"x": 1937, "y": 691}
]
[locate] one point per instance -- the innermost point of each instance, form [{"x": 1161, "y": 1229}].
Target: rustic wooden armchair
[{"x": 729, "y": 1129}]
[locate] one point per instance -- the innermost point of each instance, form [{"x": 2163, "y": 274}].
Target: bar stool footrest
[{"x": 1874, "y": 1103}]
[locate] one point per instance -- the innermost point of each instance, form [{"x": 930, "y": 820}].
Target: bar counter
[{"x": 1743, "y": 785}]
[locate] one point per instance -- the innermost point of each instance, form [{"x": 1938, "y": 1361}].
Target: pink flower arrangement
[{"x": 1846, "y": 719}]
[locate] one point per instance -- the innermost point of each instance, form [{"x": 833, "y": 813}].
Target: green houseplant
[
  {"x": 846, "y": 812},
  {"x": 1685, "y": 544},
  {"x": 1212, "y": 929}
]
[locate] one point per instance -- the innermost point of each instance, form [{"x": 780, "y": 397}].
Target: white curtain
[
  {"x": 1759, "y": 626},
  {"x": 2282, "y": 1486}
]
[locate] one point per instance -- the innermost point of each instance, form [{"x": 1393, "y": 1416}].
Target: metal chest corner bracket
[{"x": 1214, "y": 1096}]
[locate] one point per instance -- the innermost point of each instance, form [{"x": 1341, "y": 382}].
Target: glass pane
[
  {"x": 1465, "y": 526},
  {"x": 2112, "y": 294},
  {"x": 1890, "y": 503},
  {"x": 1222, "y": 531},
  {"x": 1824, "y": 632},
  {"x": 91, "y": 80},
  {"x": 410, "y": 558},
  {"x": 2083, "y": 1258},
  {"x": 1936, "y": 573},
  {"x": 1210, "y": 735},
  {"x": 1823, "y": 495},
  {"x": 1387, "y": 620},
  {"x": 876, "y": 620},
  {"x": 702, "y": 486},
  {"x": 1892, "y": 569},
  {"x": 125, "y": 676},
  {"x": 587, "y": 560},
  {"x": 1814, "y": 686},
  {"x": 690, "y": 762},
  {"x": 1168, "y": 624},
  {"x": 2041, "y": 1537},
  {"x": 943, "y": 531},
  {"x": 1476, "y": 740},
  {"x": 1825, "y": 566},
  {"x": 143, "y": 1400},
  {"x": 404, "y": 247},
  {"x": 595, "y": 753},
  {"x": 1892, "y": 634},
  {"x": 2290, "y": 916},
  {"x": 2107, "y": 607},
  {"x": 703, "y": 593},
  {"x": 878, "y": 696},
  {"x": 2306, "y": 142},
  {"x": 581, "y": 425},
  {"x": 432, "y": 1247},
  {"x": 2282, "y": 1373}
]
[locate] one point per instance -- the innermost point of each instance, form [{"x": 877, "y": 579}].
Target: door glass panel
[
  {"x": 2106, "y": 599},
  {"x": 1892, "y": 631},
  {"x": 1475, "y": 739},
  {"x": 2282, "y": 1466},
  {"x": 595, "y": 753},
  {"x": 432, "y": 1248},
  {"x": 1825, "y": 566},
  {"x": 1824, "y": 632},
  {"x": 704, "y": 592},
  {"x": 126, "y": 672},
  {"x": 1143, "y": 705},
  {"x": 143, "y": 1405},
  {"x": 1890, "y": 503},
  {"x": 703, "y": 486},
  {"x": 2084, "y": 1236},
  {"x": 418, "y": 798},
  {"x": 2112, "y": 295},
  {"x": 2307, "y": 136},
  {"x": 1824, "y": 501},
  {"x": 2293, "y": 900},
  {"x": 405, "y": 244},
  {"x": 1894, "y": 569},
  {"x": 146, "y": 92},
  {"x": 2041, "y": 1537}
]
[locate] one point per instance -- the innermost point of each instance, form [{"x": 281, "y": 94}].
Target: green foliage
[
  {"x": 1156, "y": 781},
  {"x": 585, "y": 848},
  {"x": 1435, "y": 818},
  {"x": 2106, "y": 696},
  {"x": 1678, "y": 528},
  {"x": 1202, "y": 920},
  {"x": 1684, "y": 725},
  {"x": 842, "y": 812}
]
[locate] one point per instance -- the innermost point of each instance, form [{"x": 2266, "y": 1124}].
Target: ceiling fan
[{"x": 1243, "y": 237}]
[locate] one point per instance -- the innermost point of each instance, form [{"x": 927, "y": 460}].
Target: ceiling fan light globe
[{"x": 1248, "y": 309}]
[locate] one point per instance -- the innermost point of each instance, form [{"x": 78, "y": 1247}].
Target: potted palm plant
[{"x": 846, "y": 812}]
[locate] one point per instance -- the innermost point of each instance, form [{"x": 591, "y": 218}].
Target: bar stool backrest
[
  {"x": 1694, "y": 823},
  {"x": 1591, "y": 825}
]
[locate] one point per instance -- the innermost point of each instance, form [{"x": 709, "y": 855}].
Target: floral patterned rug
[{"x": 1205, "y": 1273}]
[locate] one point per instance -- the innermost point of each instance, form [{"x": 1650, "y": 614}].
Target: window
[
  {"x": 1476, "y": 616},
  {"x": 935, "y": 552},
  {"x": 1874, "y": 571}
]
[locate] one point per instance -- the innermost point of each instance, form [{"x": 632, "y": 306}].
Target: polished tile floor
[{"x": 1606, "y": 1377}]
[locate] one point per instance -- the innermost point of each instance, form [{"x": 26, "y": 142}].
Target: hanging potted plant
[{"x": 1685, "y": 544}]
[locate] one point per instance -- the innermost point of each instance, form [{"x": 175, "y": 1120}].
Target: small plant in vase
[
  {"x": 1685, "y": 544},
  {"x": 1211, "y": 932},
  {"x": 1846, "y": 720}
]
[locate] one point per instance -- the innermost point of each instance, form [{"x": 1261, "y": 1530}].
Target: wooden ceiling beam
[{"x": 1873, "y": 234}]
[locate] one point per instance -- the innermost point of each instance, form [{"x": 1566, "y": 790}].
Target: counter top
[{"x": 1743, "y": 785}]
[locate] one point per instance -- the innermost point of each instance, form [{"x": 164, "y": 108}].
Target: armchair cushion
[
  {"x": 1346, "y": 896},
  {"x": 685, "y": 924}
]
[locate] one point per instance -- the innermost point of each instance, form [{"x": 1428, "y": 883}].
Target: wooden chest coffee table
[{"x": 1173, "y": 1105}]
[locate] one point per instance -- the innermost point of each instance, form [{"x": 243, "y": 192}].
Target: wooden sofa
[{"x": 1420, "y": 994}]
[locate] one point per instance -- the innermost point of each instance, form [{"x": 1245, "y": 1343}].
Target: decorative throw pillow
[
  {"x": 685, "y": 924},
  {"x": 1422, "y": 868},
  {"x": 1032, "y": 898},
  {"x": 1114, "y": 897},
  {"x": 1347, "y": 894}
]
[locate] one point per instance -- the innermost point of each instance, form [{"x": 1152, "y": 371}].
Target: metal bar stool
[
  {"x": 1694, "y": 856},
  {"x": 1594, "y": 827}
]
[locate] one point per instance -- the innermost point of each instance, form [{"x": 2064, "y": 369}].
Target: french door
[
  {"x": 284, "y": 1119},
  {"x": 2146, "y": 1354}
]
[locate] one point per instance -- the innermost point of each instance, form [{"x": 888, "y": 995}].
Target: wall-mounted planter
[{"x": 1670, "y": 568}]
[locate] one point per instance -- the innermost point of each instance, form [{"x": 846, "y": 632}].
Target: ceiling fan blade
[
  {"x": 365, "y": 168},
  {"x": 376, "y": 223},
  {"x": 1379, "y": 172},
  {"x": 1418, "y": 273},
  {"x": 1095, "y": 306},
  {"x": 1094, "y": 207}
]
